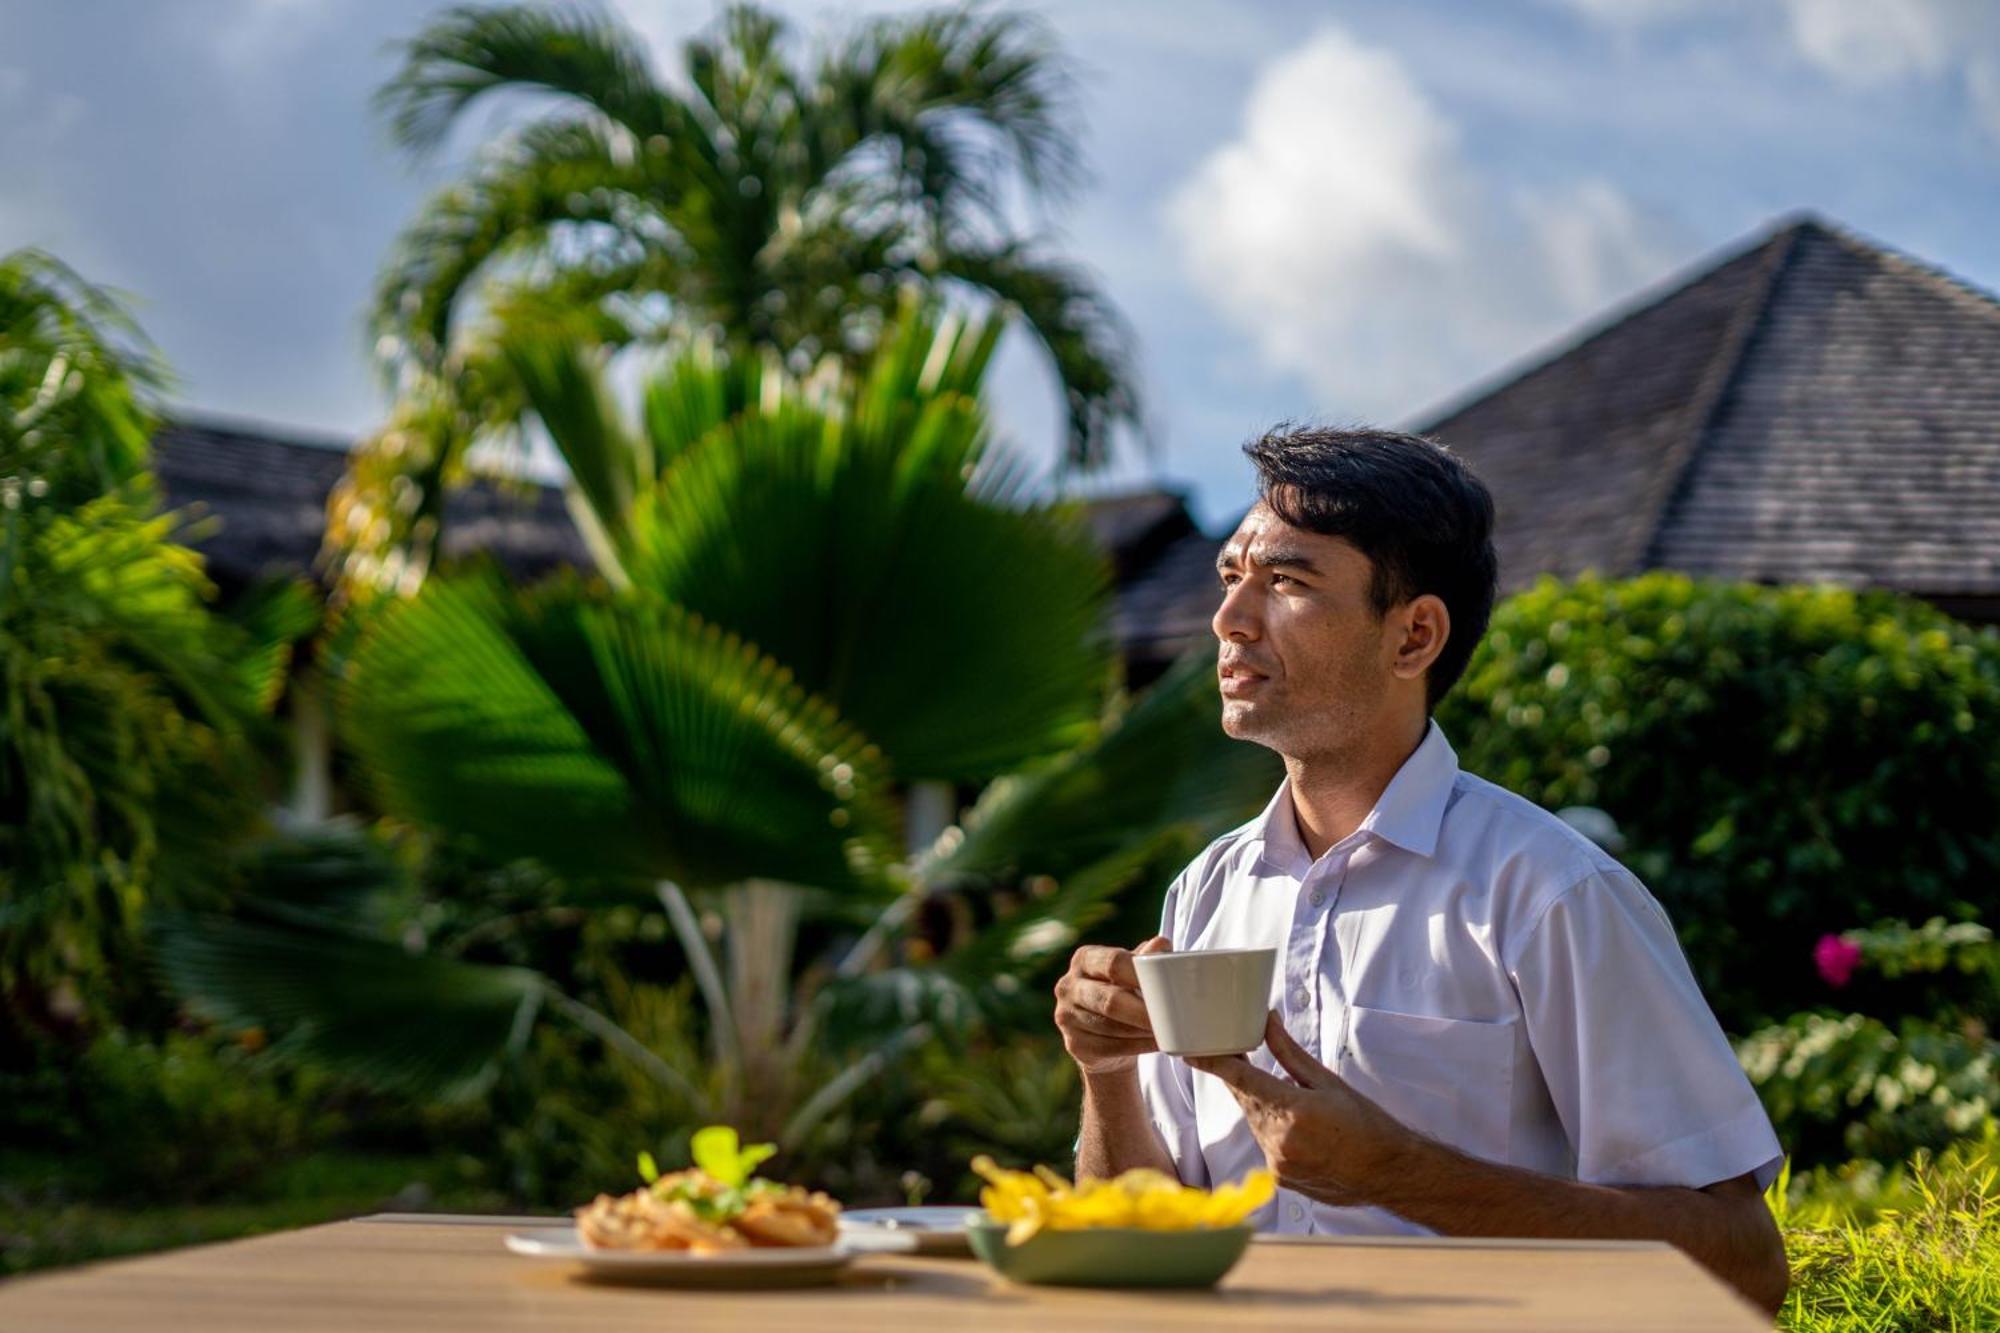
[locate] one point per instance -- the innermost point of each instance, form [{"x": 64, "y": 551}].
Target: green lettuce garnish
[{"x": 719, "y": 1152}]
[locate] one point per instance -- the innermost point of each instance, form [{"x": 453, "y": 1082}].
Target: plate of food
[
  {"x": 714, "y": 1224},
  {"x": 1139, "y": 1229},
  {"x": 933, "y": 1230}
]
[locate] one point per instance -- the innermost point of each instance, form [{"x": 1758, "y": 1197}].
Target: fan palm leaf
[
  {"x": 407, "y": 1021},
  {"x": 609, "y": 737}
]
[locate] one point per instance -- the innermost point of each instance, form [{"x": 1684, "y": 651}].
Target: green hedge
[{"x": 1783, "y": 762}]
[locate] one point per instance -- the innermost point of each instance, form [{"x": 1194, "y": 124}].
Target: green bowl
[{"x": 1112, "y": 1256}]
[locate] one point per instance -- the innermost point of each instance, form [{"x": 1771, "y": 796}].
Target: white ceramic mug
[{"x": 1208, "y": 1001}]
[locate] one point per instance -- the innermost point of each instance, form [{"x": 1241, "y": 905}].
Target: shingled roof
[
  {"x": 1165, "y": 569},
  {"x": 267, "y": 495},
  {"x": 267, "y": 492},
  {"x": 1812, "y": 407}
]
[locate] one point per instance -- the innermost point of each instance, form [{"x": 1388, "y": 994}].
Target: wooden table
[{"x": 404, "y": 1272}]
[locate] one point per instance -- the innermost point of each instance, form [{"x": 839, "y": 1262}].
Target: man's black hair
[{"x": 1414, "y": 508}]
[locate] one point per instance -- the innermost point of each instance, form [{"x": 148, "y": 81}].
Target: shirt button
[
  {"x": 1300, "y": 998},
  {"x": 1318, "y": 897},
  {"x": 1298, "y": 1211}
]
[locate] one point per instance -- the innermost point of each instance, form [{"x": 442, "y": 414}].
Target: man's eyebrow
[{"x": 1275, "y": 558}]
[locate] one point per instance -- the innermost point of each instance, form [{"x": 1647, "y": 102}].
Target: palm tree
[
  {"x": 817, "y": 589},
  {"x": 767, "y": 197}
]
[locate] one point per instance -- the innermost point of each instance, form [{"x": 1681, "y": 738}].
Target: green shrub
[
  {"x": 1854, "y": 1085},
  {"x": 1851, "y": 1086},
  {"x": 1929, "y": 1260},
  {"x": 1783, "y": 762},
  {"x": 190, "y": 1117}
]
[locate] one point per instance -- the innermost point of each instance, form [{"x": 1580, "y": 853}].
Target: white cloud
[
  {"x": 1345, "y": 233},
  {"x": 1869, "y": 44}
]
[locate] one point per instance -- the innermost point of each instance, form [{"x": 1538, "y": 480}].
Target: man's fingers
[
  {"x": 1244, "y": 1078},
  {"x": 1158, "y": 944},
  {"x": 1105, "y": 963},
  {"x": 1113, "y": 1002},
  {"x": 1293, "y": 1058},
  {"x": 1083, "y": 1020}
]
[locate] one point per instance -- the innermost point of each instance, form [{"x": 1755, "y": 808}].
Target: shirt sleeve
[
  {"x": 1642, "y": 1077},
  {"x": 1167, "y": 1084}
]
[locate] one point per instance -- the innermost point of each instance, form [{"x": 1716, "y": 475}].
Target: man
[{"x": 1482, "y": 1023}]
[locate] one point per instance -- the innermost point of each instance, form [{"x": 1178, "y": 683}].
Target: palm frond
[
  {"x": 572, "y": 177},
  {"x": 964, "y": 78},
  {"x": 859, "y": 560},
  {"x": 609, "y": 738},
  {"x": 1166, "y": 762},
  {"x": 610, "y": 464},
  {"x": 409, "y": 1022},
  {"x": 1050, "y": 923},
  {"x": 79, "y": 382},
  {"x": 700, "y": 392},
  {"x": 471, "y": 51},
  {"x": 1092, "y": 348}
]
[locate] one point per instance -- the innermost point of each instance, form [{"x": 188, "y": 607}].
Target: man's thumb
[{"x": 1158, "y": 944}]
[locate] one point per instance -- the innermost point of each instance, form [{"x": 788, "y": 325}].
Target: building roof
[
  {"x": 1811, "y": 407},
  {"x": 266, "y": 494},
  {"x": 267, "y": 489},
  {"x": 1165, "y": 571}
]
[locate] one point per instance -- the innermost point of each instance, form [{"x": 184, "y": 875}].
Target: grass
[
  {"x": 43, "y": 1224},
  {"x": 1921, "y": 1254}
]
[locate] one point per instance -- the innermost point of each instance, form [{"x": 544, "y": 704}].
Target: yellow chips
[{"x": 1030, "y": 1202}]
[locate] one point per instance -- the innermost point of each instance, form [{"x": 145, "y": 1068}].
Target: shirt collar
[{"x": 1409, "y": 812}]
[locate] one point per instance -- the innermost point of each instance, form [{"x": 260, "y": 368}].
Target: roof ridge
[
  {"x": 224, "y": 423},
  {"x": 1713, "y": 389},
  {"x": 1677, "y": 282},
  {"x": 1948, "y": 283}
]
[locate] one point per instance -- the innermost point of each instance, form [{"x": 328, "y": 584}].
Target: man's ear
[{"x": 1426, "y": 626}]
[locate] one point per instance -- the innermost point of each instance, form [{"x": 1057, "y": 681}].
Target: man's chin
[{"x": 1240, "y": 720}]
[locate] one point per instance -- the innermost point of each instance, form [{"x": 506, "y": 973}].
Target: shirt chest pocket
[{"x": 1448, "y": 1078}]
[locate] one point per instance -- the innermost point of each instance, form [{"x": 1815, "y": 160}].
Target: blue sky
[{"x": 1339, "y": 211}]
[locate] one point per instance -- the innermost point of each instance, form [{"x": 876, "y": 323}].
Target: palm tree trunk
[{"x": 763, "y": 927}]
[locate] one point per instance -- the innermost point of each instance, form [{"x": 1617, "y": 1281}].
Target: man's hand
[
  {"x": 1330, "y": 1143},
  {"x": 1098, "y": 1010},
  {"x": 1320, "y": 1137}
]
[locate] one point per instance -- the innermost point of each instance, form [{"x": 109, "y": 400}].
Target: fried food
[
  {"x": 710, "y": 1209},
  {"x": 1031, "y": 1202},
  {"x": 642, "y": 1220},
  {"x": 793, "y": 1218}
]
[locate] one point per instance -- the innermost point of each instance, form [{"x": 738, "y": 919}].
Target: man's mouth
[{"x": 1237, "y": 681}]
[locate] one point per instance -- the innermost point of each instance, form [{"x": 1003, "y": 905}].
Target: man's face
[{"x": 1303, "y": 661}]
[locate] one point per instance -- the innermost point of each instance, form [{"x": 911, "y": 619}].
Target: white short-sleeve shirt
[{"x": 1481, "y": 971}]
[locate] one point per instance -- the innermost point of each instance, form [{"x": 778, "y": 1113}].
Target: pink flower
[{"x": 1836, "y": 959}]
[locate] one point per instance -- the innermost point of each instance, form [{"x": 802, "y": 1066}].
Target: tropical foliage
[
  {"x": 820, "y": 593},
  {"x": 129, "y": 710},
  {"x": 1782, "y": 762},
  {"x": 767, "y": 196}
]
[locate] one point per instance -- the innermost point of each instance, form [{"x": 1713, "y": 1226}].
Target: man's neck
[{"x": 1332, "y": 793}]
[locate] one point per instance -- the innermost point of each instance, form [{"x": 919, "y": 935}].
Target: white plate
[
  {"x": 788, "y": 1266},
  {"x": 932, "y": 1230}
]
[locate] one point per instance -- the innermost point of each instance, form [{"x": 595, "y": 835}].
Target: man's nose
[{"x": 1236, "y": 619}]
